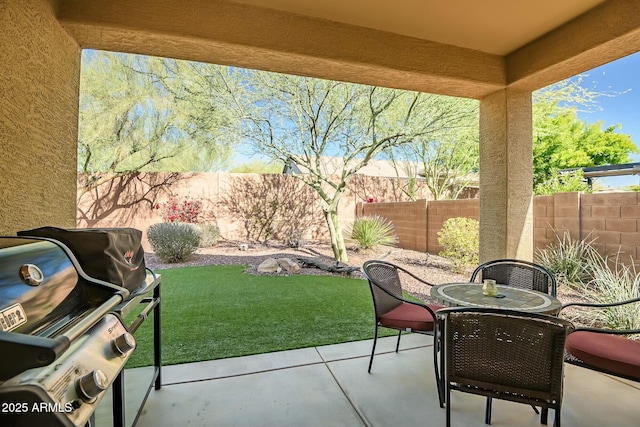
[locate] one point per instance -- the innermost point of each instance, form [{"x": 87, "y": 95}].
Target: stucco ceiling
[
  {"x": 468, "y": 48},
  {"x": 494, "y": 26}
]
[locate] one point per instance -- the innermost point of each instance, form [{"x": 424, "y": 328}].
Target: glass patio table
[{"x": 469, "y": 294}]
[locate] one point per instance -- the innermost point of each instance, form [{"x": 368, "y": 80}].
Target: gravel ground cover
[{"x": 432, "y": 268}]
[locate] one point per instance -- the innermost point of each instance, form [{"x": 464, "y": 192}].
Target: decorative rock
[
  {"x": 269, "y": 265},
  {"x": 291, "y": 266}
]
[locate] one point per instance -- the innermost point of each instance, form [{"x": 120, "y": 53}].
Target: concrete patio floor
[{"x": 330, "y": 386}]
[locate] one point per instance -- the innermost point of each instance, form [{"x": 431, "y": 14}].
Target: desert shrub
[
  {"x": 296, "y": 238},
  {"x": 572, "y": 261},
  {"x": 185, "y": 210},
  {"x": 270, "y": 206},
  {"x": 367, "y": 232},
  {"x": 612, "y": 281},
  {"x": 460, "y": 241},
  {"x": 209, "y": 235},
  {"x": 174, "y": 241}
]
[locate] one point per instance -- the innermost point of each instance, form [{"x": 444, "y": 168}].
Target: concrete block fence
[{"x": 612, "y": 220}]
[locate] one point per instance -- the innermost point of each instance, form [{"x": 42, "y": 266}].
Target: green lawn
[{"x": 214, "y": 312}]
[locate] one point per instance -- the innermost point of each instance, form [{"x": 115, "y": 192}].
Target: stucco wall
[
  {"x": 39, "y": 81},
  {"x": 132, "y": 203},
  {"x": 506, "y": 156}
]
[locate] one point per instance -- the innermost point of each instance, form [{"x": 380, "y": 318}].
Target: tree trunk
[
  {"x": 335, "y": 233},
  {"x": 333, "y": 268}
]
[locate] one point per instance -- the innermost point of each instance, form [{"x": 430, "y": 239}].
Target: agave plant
[{"x": 371, "y": 231}]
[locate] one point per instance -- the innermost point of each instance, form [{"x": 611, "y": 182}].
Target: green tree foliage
[
  {"x": 561, "y": 140},
  {"x": 563, "y": 183},
  {"x": 305, "y": 120},
  {"x": 259, "y": 166},
  {"x": 140, "y": 113}
]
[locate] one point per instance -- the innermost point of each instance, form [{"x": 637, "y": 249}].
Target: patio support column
[
  {"x": 40, "y": 82},
  {"x": 506, "y": 176}
]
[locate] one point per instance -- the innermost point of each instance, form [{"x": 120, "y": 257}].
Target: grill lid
[{"x": 46, "y": 301}]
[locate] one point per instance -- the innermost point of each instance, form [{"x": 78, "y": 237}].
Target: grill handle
[
  {"x": 86, "y": 323},
  {"x": 151, "y": 304},
  {"x": 21, "y": 352}
]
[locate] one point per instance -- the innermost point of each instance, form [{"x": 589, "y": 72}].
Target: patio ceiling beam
[
  {"x": 247, "y": 36},
  {"x": 608, "y": 32}
]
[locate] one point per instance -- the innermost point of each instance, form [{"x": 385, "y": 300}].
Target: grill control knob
[
  {"x": 92, "y": 384},
  {"x": 31, "y": 274},
  {"x": 123, "y": 344}
]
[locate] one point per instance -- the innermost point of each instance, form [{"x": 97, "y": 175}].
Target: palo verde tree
[
  {"x": 140, "y": 114},
  {"x": 447, "y": 155},
  {"x": 306, "y": 121}
]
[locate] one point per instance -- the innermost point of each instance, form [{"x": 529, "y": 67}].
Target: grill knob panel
[
  {"x": 92, "y": 384},
  {"x": 123, "y": 344}
]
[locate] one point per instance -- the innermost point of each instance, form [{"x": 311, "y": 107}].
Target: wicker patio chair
[
  {"x": 604, "y": 350},
  {"x": 504, "y": 354},
  {"x": 393, "y": 311},
  {"x": 517, "y": 273}
]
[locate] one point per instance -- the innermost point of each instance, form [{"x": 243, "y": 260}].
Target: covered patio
[
  {"x": 494, "y": 51},
  {"x": 330, "y": 386}
]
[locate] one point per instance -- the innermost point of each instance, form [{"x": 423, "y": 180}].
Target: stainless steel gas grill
[{"x": 63, "y": 342}]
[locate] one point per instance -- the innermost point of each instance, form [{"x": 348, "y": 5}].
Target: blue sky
[{"x": 623, "y": 78}]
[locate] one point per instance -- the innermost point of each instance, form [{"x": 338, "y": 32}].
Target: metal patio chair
[
  {"x": 393, "y": 311},
  {"x": 518, "y": 273},
  {"x": 605, "y": 350},
  {"x": 504, "y": 354}
]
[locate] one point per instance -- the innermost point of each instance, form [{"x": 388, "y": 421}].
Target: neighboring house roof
[
  {"x": 377, "y": 168},
  {"x": 334, "y": 165}
]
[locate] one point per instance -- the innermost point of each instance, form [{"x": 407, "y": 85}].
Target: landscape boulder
[
  {"x": 272, "y": 265},
  {"x": 269, "y": 265},
  {"x": 292, "y": 267}
]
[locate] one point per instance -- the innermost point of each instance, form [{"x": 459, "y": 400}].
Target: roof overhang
[{"x": 454, "y": 47}]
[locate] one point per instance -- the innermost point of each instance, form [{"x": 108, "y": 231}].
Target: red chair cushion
[
  {"x": 612, "y": 353},
  {"x": 409, "y": 316}
]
